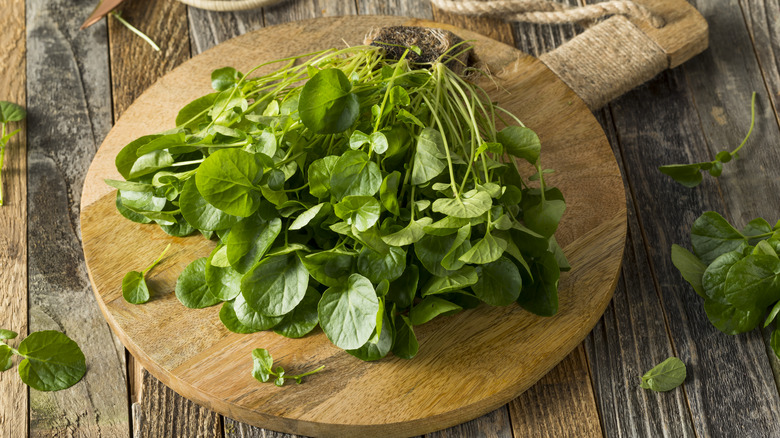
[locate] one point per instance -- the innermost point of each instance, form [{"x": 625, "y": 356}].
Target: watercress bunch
[{"x": 362, "y": 194}]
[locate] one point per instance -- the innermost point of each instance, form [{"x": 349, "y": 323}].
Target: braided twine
[{"x": 547, "y": 12}]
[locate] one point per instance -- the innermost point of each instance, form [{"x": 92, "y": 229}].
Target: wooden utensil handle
[{"x": 617, "y": 55}]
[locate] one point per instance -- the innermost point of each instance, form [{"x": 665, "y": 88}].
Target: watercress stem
[
  {"x": 154, "y": 263},
  {"x": 752, "y": 123},
  {"x": 143, "y": 36}
]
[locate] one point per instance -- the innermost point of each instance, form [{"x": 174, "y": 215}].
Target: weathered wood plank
[
  {"x": 497, "y": 29},
  {"x": 558, "y": 405},
  {"x": 14, "y": 399},
  {"x": 303, "y": 9},
  {"x": 69, "y": 113},
  {"x": 496, "y": 424},
  {"x": 134, "y": 63},
  {"x": 631, "y": 338},
  {"x": 209, "y": 28},
  {"x": 730, "y": 389},
  {"x": 407, "y": 8},
  {"x": 163, "y": 413}
]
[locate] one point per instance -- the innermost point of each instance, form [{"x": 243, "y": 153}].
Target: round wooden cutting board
[{"x": 468, "y": 365}]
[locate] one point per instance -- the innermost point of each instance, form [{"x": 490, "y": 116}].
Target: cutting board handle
[{"x": 617, "y": 55}]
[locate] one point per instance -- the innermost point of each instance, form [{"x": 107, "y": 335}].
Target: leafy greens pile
[
  {"x": 375, "y": 197},
  {"x": 736, "y": 272},
  {"x": 51, "y": 361}
]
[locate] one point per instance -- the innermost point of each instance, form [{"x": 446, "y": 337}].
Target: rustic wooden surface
[
  {"x": 683, "y": 115},
  {"x": 434, "y": 396}
]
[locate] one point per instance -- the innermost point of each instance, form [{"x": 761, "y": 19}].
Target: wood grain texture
[
  {"x": 684, "y": 34},
  {"x": 208, "y": 28},
  {"x": 594, "y": 241},
  {"x": 135, "y": 65},
  {"x": 406, "y": 8},
  {"x": 13, "y": 217},
  {"x": 632, "y": 337},
  {"x": 287, "y": 11},
  {"x": 163, "y": 413},
  {"x": 69, "y": 112},
  {"x": 730, "y": 390},
  {"x": 561, "y": 404},
  {"x": 494, "y": 28}
]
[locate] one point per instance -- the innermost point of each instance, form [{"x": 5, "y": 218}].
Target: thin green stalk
[
  {"x": 156, "y": 261},
  {"x": 143, "y": 36},
  {"x": 2, "y": 159},
  {"x": 752, "y": 123}
]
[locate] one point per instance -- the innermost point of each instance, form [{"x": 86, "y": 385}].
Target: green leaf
[
  {"x": 409, "y": 118},
  {"x": 688, "y": 175},
  {"x": 228, "y": 180},
  {"x": 167, "y": 141},
  {"x": 249, "y": 240},
  {"x": 195, "y": 112},
  {"x": 405, "y": 344},
  {"x": 714, "y": 278},
  {"x": 302, "y": 319},
  {"x": 262, "y": 364},
  {"x": 753, "y": 282},
  {"x": 409, "y": 234},
  {"x": 355, "y": 175},
  {"x": 276, "y": 285},
  {"x": 227, "y": 315},
  {"x": 360, "y": 211},
  {"x": 319, "y": 176},
  {"x": 377, "y": 267},
  {"x": 665, "y": 376},
  {"x": 199, "y": 213},
  {"x": 756, "y": 227},
  {"x": 6, "y": 355},
  {"x": 307, "y": 216},
  {"x": 331, "y": 267},
  {"x": 127, "y": 157},
  {"x": 431, "y": 250},
  {"x": 499, "y": 282},
  {"x": 774, "y": 341},
  {"x": 712, "y": 235},
  {"x": 7, "y": 334},
  {"x": 388, "y": 191},
  {"x": 731, "y": 320},
  {"x": 377, "y": 346},
  {"x": 129, "y": 186},
  {"x": 446, "y": 226},
  {"x": 460, "y": 246},
  {"x": 128, "y": 213},
  {"x": 429, "y": 157},
  {"x": 431, "y": 307},
  {"x": 544, "y": 216},
  {"x": 399, "y": 96},
  {"x": 459, "y": 279},
  {"x": 191, "y": 288},
  {"x": 348, "y": 313},
  {"x": 225, "y": 78},
  {"x": 521, "y": 142},
  {"x": 487, "y": 250},
  {"x": 250, "y": 318},
  {"x": 326, "y": 105},
  {"x": 402, "y": 290},
  {"x": 134, "y": 288},
  {"x": 690, "y": 267},
  {"x": 11, "y": 112},
  {"x": 358, "y": 139},
  {"x": 52, "y": 361},
  {"x": 379, "y": 142},
  {"x": 541, "y": 297},
  {"x": 471, "y": 204},
  {"x": 772, "y": 314},
  {"x": 223, "y": 282}
]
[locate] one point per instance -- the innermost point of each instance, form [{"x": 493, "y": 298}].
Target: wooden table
[{"x": 76, "y": 83}]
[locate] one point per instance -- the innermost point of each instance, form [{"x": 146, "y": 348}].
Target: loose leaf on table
[
  {"x": 52, "y": 361},
  {"x": 6, "y": 356},
  {"x": 7, "y": 334},
  {"x": 134, "y": 287},
  {"x": 11, "y": 112},
  {"x": 263, "y": 369},
  {"x": 665, "y": 376},
  {"x": 689, "y": 175},
  {"x": 348, "y": 313}
]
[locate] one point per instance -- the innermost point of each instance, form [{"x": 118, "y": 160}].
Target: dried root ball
[{"x": 433, "y": 43}]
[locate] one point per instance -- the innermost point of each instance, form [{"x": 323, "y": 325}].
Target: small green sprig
[
  {"x": 133, "y": 29},
  {"x": 52, "y": 361},
  {"x": 9, "y": 112},
  {"x": 263, "y": 368},
  {"x": 736, "y": 272},
  {"x": 689, "y": 175},
  {"x": 134, "y": 287}
]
